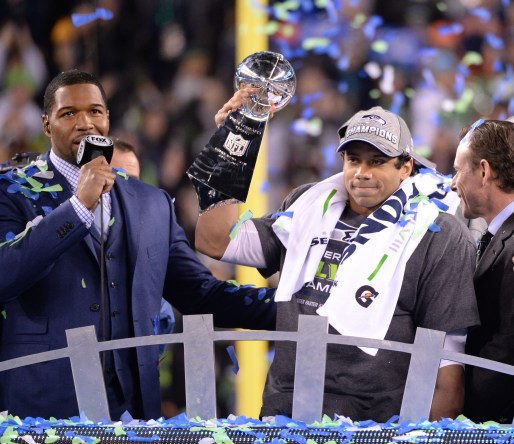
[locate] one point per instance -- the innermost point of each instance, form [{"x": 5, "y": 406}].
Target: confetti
[
  {"x": 242, "y": 219},
  {"x": 79, "y": 20},
  {"x": 232, "y": 354}
]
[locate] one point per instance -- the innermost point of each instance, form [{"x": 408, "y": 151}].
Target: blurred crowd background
[{"x": 167, "y": 67}]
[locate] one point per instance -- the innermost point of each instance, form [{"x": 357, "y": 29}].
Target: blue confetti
[
  {"x": 428, "y": 77},
  {"x": 234, "y": 288},
  {"x": 232, "y": 353},
  {"x": 247, "y": 300},
  {"x": 308, "y": 113},
  {"x": 498, "y": 65},
  {"x": 261, "y": 294},
  {"x": 282, "y": 213},
  {"x": 398, "y": 101},
  {"x": 463, "y": 69},
  {"x": 342, "y": 87},
  {"x": 155, "y": 325},
  {"x": 79, "y": 20},
  {"x": 332, "y": 50},
  {"x": 459, "y": 84},
  {"x": 434, "y": 228},
  {"x": 510, "y": 107},
  {"x": 483, "y": 13},
  {"x": 369, "y": 28},
  {"x": 310, "y": 98},
  {"x": 441, "y": 205},
  {"x": 493, "y": 40},
  {"x": 17, "y": 188},
  {"x": 455, "y": 28},
  {"x": 126, "y": 417},
  {"x": 343, "y": 63},
  {"x": 46, "y": 210}
]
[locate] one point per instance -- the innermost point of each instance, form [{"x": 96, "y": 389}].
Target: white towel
[{"x": 380, "y": 249}]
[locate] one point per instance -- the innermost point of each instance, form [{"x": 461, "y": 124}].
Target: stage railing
[{"x": 199, "y": 336}]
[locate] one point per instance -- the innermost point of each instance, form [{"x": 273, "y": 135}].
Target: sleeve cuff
[{"x": 83, "y": 213}]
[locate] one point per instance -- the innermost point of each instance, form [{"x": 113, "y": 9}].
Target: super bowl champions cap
[{"x": 384, "y": 130}]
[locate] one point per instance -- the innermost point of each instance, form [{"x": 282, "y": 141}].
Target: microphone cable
[{"x": 103, "y": 298}]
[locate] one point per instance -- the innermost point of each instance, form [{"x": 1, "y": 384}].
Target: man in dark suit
[
  {"x": 484, "y": 180},
  {"x": 50, "y": 256}
]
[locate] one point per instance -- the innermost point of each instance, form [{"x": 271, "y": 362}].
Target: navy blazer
[
  {"x": 490, "y": 395},
  {"x": 50, "y": 279}
]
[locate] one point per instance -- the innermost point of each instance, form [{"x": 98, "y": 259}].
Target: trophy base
[{"x": 209, "y": 198}]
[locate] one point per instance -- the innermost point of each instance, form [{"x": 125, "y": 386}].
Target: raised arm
[
  {"x": 213, "y": 230},
  {"x": 214, "y": 226}
]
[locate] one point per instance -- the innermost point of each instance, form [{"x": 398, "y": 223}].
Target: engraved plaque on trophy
[{"x": 223, "y": 170}]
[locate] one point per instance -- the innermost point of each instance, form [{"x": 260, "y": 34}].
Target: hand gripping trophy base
[{"x": 223, "y": 170}]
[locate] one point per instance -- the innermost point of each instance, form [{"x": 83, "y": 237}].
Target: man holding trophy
[{"x": 333, "y": 244}]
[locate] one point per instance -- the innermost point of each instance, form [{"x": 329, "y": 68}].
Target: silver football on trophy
[{"x": 275, "y": 78}]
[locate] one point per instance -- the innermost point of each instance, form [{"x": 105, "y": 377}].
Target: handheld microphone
[{"x": 91, "y": 147}]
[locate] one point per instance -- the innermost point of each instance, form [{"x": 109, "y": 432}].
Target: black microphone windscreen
[{"x": 91, "y": 147}]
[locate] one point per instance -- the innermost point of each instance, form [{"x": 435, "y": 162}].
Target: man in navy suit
[
  {"x": 50, "y": 256},
  {"x": 484, "y": 180}
]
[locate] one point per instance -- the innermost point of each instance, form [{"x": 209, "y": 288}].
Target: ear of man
[{"x": 46, "y": 125}]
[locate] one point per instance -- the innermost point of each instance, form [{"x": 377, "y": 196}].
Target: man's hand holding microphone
[{"x": 96, "y": 175}]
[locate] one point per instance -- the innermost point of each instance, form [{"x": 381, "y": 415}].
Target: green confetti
[
  {"x": 52, "y": 437},
  {"x": 242, "y": 219},
  {"x": 359, "y": 20},
  {"x": 472, "y": 58},
  {"x": 83, "y": 283},
  {"x": 375, "y": 93},
  {"x": 221, "y": 438},
  {"x": 52, "y": 188},
  {"x": 270, "y": 28},
  {"x": 20, "y": 236},
  {"x": 42, "y": 165},
  {"x": 410, "y": 92},
  {"x": 122, "y": 174},
  {"x": 234, "y": 283},
  {"x": 4, "y": 314},
  {"x": 118, "y": 431},
  {"x": 380, "y": 46},
  {"x": 281, "y": 10},
  {"x": 315, "y": 43},
  {"x": 463, "y": 104},
  {"x": 330, "y": 196},
  {"x": 377, "y": 269},
  {"x": 287, "y": 30},
  {"x": 111, "y": 221},
  {"x": 36, "y": 184}
]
